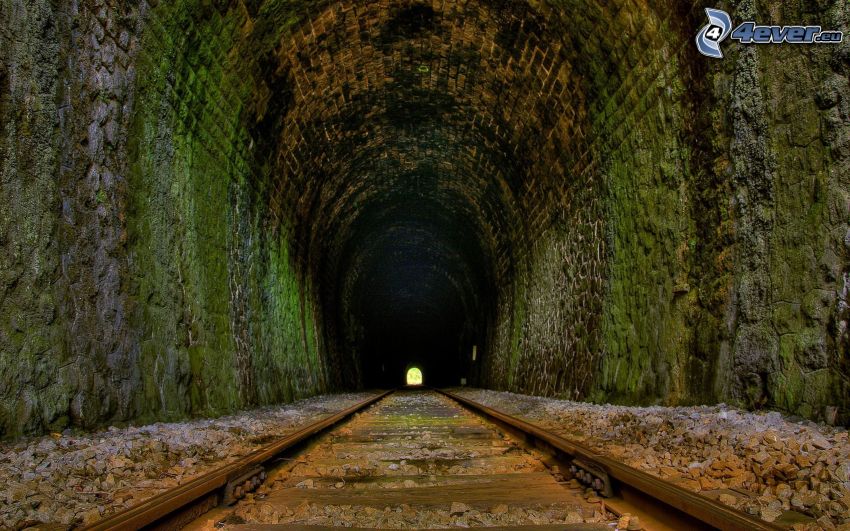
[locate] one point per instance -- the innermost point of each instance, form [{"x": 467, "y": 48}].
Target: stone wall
[
  {"x": 31, "y": 327},
  {"x": 144, "y": 281},
  {"x": 598, "y": 309},
  {"x": 225, "y": 319},
  {"x": 724, "y": 202},
  {"x": 787, "y": 127}
]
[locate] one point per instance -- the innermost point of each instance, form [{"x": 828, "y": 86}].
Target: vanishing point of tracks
[{"x": 426, "y": 459}]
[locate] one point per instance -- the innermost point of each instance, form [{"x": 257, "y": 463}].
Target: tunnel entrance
[{"x": 414, "y": 376}]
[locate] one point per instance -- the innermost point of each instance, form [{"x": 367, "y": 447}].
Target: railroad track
[{"x": 423, "y": 458}]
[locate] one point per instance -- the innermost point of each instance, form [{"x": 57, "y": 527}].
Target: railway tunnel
[{"x": 212, "y": 205}]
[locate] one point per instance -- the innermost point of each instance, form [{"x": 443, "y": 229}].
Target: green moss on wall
[
  {"x": 34, "y": 368},
  {"x": 649, "y": 227},
  {"x": 788, "y": 257},
  {"x": 226, "y": 318},
  {"x": 724, "y": 205}
]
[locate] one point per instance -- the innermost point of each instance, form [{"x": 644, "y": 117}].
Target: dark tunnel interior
[
  {"x": 405, "y": 225},
  {"x": 412, "y": 280},
  {"x": 416, "y": 294}
]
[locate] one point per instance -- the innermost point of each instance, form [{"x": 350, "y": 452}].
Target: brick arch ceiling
[{"x": 416, "y": 148}]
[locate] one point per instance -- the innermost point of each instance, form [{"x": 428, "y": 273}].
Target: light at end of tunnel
[{"x": 414, "y": 376}]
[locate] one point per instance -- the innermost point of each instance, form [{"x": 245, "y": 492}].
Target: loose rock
[
  {"x": 783, "y": 464},
  {"x": 72, "y": 479}
]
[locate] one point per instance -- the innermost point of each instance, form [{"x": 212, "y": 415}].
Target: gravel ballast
[
  {"x": 417, "y": 461},
  {"x": 762, "y": 463},
  {"x": 79, "y": 478}
]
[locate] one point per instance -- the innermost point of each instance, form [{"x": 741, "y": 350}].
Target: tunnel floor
[
  {"x": 762, "y": 463},
  {"x": 433, "y": 463}
]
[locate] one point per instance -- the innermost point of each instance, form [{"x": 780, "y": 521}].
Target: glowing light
[{"x": 414, "y": 376}]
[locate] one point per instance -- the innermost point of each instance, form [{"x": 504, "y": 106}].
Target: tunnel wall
[
  {"x": 143, "y": 279},
  {"x": 788, "y": 132},
  {"x": 596, "y": 310},
  {"x": 30, "y": 327},
  {"x": 228, "y": 321},
  {"x": 724, "y": 205}
]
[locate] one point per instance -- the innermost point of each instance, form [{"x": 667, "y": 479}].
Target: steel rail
[
  {"x": 166, "y": 504},
  {"x": 705, "y": 510}
]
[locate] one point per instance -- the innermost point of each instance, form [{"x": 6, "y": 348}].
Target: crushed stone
[
  {"x": 75, "y": 479},
  {"x": 759, "y": 462}
]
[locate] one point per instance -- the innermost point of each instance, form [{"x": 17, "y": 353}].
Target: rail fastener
[
  {"x": 682, "y": 506},
  {"x": 175, "y": 507}
]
